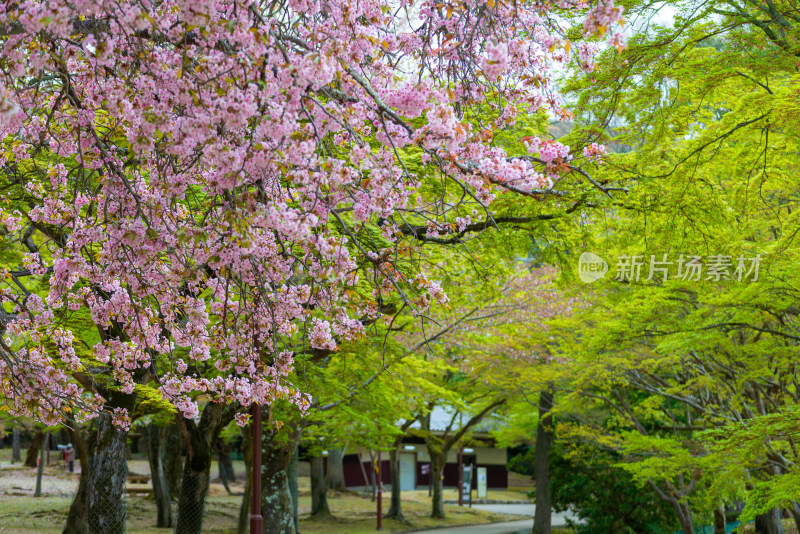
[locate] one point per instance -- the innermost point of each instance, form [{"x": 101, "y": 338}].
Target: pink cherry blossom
[{"x": 213, "y": 182}]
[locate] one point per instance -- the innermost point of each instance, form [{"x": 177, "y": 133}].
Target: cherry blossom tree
[{"x": 227, "y": 186}]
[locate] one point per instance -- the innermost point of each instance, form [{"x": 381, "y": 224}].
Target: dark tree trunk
[
  {"x": 77, "y": 519},
  {"x": 40, "y": 470},
  {"x": 15, "y": 446},
  {"x": 795, "y": 511},
  {"x": 541, "y": 463},
  {"x": 372, "y": 479},
  {"x": 395, "y": 508},
  {"x": 155, "y": 454},
  {"x": 319, "y": 489},
  {"x": 225, "y": 458},
  {"x": 173, "y": 465},
  {"x": 437, "y": 471},
  {"x": 276, "y": 497},
  {"x": 34, "y": 448},
  {"x": 769, "y": 522},
  {"x": 335, "y": 469},
  {"x": 293, "y": 486},
  {"x": 197, "y": 469},
  {"x": 107, "y": 477},
  {"x": 719, "y": 520},
  {"x": 247, "y": 456},
  {"x": 223, "y": 475}
]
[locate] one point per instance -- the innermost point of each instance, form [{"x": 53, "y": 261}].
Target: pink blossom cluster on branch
[{"x": 200, "y": 176}]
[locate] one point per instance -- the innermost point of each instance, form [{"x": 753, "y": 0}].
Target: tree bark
[
  {"x": 276, "y": 497},
  {"x": 541, "y": 464},
  {"x": 107, "y": 477},
  {"x": 15, "y": 446},
  {"x": 247, "y": 456},
  {"x": 77, "y": 519},
  {"x": 395, "y": 508},
  {"x": 34, "y": 449},
  {"x": 173, "y": 456},
  {"x": 200, "y": 439},
  {"x": 155, "y": 454},
  {"x": 795, "y": 511},
  {"x": 223, "y": 474},
  {"x": 769, "y": 522},
  {"x": 684, "y": 515},
  {"x": 372, "y": 476},
  {"x": 40, "y": 470},
  {"x": 719, "y": 520},
  {"x": 319, "y": 489},
  {"x": 335, "y": 474},
  {"x": 437, "y": 474},
  {"x": 225, "y": 461},
  {"x": 293, "y": 486}
]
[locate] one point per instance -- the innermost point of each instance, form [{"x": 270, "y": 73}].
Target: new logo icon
[{"x": 591, "y": 267}]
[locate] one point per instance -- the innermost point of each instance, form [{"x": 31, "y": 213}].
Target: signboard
[
  {"x": 425, "y": 469},
  {"x": 466, "y": 485},
  {"x": 481, "y": 482}
]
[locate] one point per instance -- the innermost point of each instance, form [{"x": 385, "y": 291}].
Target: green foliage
[{"x": 605, "y": 498}]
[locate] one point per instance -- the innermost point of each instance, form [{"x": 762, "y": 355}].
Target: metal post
[
  {"x": 460, "y": 474},
  {"x": 256, "y": 520},
  {"x": 471, "y": 475},
  {"x": 380, "y": 494}
]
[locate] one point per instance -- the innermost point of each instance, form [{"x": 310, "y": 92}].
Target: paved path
[{"x": 511, "y": 527}]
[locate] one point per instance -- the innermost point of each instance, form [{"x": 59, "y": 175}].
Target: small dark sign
[{"x": 466, "y": 485}]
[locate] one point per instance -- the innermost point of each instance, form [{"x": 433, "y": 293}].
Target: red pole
[
  {"x": 380, "y": 494},
  {"x": 256, "y": 521}
]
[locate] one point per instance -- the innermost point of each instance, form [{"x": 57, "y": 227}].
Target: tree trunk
[
  {"x": 437, "y": 474},
  {"x": 223, "y": 474},
  {"x": 541, "y": 464},
  {"x": 173, "y": 455},
  {"x": 40, "y": 470},
  {"x": 77, "y": 519},
  {"x": 395, "y": 508},
  {"x": 319, "y": 489},
  {"x": 34, "y": 449},
  {"x": 795, "y": 511},
  {"x": 684, "y": 515},
  {"x": 335, "y": 469},
  {"x": 107, "y": 477},
  {"x": 372, "y": 475},
  {"x": 293, "y": 486},
  {"x": 225, "y": 461},
  {"x": 769, "y": 522},
  {"x": 15, "y": 447},
  {"x": 197, "y": 469},
  {"x": 155, "y": 455},
  {"x": 276, "y": 497},
  {"x": 247, "y": 456},
  {"x": 719, "y": 520}
]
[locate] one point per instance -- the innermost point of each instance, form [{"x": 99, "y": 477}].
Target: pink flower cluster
[
  {"x": 216, "y": 180},
  {"x": 594, "y": 152},
  {"x": 496, "y": 61}
]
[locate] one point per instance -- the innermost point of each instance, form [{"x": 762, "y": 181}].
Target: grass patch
[{"x": 352, "y": 512}]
